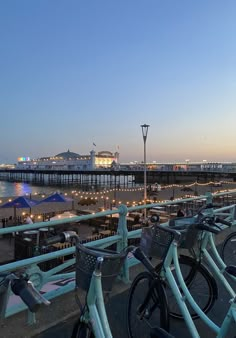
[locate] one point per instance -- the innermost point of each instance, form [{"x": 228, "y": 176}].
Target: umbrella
[
  {"x": 20, "y": 203},
  {"x": 65, "y": 214},
  {"x": 56, "y": 198}
]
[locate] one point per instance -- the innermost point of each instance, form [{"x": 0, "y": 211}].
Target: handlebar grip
[
  {"x": 222, "y": 221},
  {"x": 207, "y": 228},
  {"x": 139, "y": 255},
  {"x": 55, "y": 239},
  {"x": 20, "y": 288}
]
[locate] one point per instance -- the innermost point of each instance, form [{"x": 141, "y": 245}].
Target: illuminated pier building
[{"x": 72, "y": 161}]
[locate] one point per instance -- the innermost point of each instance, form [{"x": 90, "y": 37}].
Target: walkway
[{"x": 116, "y": 309}]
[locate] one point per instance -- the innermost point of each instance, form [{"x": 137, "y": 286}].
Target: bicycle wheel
[
  {"x": 200, "y": 283},
  {"x": 82, "y": 330},
  {"x": 147, "y": 306},
  {"x": 228, "y": 250}
]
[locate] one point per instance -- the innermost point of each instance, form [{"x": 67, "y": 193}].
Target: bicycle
[
  {"x": 166, "y": 243},
  {"x": 228, "y": 249},
  {"x": 198, "y": 276},
  {"x": 96, "y": 270},
  {"x": 21, "y": 286}
]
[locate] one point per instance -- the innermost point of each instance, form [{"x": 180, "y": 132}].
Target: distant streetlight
[{"x": 145, "y": 132}]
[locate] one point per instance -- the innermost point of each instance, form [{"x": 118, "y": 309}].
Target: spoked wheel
[
  {"x": 82, "y": 330},
  {"x": 147, "y": 306},
  {"x": 228, "y": 251},
  {"x": 200, "y": 283}
]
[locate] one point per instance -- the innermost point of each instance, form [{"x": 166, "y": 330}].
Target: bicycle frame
[
  {"x": 215, "y": 262},
  {"x": 217, "y": 270},
  {"x": 96, "y": 313},
  {"x": 172, "y": 257}
]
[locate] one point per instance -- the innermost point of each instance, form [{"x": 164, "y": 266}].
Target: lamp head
[{"x": 145, "y": 130}]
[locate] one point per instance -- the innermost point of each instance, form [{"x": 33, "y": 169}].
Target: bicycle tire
[
  {"x": 228, "y": 249},
  {"x": 200, "y": 283},
  {"x": 156, "y": 306},
  {"x": 82, "y": 330}
]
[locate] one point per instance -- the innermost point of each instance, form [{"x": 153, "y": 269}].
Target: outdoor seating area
[{"x": 28, "y": 244}]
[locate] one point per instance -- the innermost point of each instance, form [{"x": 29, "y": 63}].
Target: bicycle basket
[
  {"x": 85, "y": 264},
  {"x": 155, "y": 241},
  {"x": 189, "y": 233}
]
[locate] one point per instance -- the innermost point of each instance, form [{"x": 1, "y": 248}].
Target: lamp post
[{"x": 145, "y": 132}]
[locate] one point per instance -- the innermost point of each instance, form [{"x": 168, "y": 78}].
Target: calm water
[
  {"x": 20, "y": 189},
  {"x": 8, "y": 189}
]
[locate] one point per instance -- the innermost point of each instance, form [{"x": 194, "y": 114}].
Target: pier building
[{"x": 71, "y": 161}]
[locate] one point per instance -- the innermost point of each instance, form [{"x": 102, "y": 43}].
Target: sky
[{"x": 78, "y": 72}]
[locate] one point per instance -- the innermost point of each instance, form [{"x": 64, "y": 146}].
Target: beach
[{"x": 109, "y": 198}]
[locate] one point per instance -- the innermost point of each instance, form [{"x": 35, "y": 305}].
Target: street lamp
[{"x": 145, "y": 132}]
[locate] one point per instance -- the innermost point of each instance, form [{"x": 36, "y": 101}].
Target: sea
[
  {"x": 11, "y": 189},
  {"x": 15, "y": 189}
]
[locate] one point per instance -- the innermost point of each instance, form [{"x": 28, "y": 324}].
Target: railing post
[
  {"x": 209, "y": 200},
  {"x": 209, "y": 197},
  {"x": 122, "y": 228},
  {"x": 123, "y": 243}
]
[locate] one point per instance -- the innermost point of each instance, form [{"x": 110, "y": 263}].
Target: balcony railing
[{"x": 41, "y": 278}]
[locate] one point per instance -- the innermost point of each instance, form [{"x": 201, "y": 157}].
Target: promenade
[{"x": 116, "y": 309}]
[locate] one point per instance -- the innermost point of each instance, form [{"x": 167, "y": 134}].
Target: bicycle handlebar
[
  {"x": 25, "y": 289},
  {"x": 223, "y": 221},
  {"x": 55, "y": 239},
  {"x": 139, "y": 255},
  {"x": 61, "y": 238},
  {"x": 136, "y": 251},
  {"x": 206, "y": 227}
]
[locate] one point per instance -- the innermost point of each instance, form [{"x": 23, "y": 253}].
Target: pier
[{"x": 113, "y": 178}]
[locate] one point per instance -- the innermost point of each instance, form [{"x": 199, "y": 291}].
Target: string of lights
[{"x": 106, "y": 196}]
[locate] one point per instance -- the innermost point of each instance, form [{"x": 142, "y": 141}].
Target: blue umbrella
[
  {"x": 20, "y": 203},
  {"x": 56, "y": 198}
]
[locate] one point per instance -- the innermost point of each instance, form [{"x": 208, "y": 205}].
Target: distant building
[{"x": 72, "y": 161}]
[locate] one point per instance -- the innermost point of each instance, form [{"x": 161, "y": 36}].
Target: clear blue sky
[{"x": 74, "y": 73}]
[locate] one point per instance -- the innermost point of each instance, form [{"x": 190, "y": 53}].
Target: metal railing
[{"x": 120, "y": 239}]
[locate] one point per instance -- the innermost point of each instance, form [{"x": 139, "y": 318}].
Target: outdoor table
[
  {"x": 105, "y": 233},
  {"x": 103, "y": 226}
]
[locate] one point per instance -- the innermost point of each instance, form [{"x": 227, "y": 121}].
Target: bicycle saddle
[
  {"x": 157, "y": 332},
  {"x": 231, "y": 269}
]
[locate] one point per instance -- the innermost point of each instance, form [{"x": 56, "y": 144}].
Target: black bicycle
[{"x": 147, "y": 309}]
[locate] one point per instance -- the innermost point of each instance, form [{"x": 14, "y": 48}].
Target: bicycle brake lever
[{"x": 37, "y": 294}]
